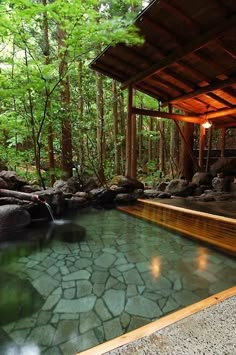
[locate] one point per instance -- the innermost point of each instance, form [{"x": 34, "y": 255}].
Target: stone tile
[
  {"x": 143, "y": 267},
  {"x": 19, "y": 336},
  {"x": 137, "y": 322},
  {"x": 32, "y": 263},
  {"x": 52, "y": 270},
  {"x": 171, "y": 305},
  {"x": 70, "y": 347},
  {"x": 99, "y": 332},
  {"x": 120, "y": 260},
  {"x": 133, "y": 277},
  {"x": 83, "y": 288},
  {"x": 42, "y": 335},
  {"x": 83, "y": 263},
  {"x": 105, "y": 260},
  {"x": 84, "y": 304},
  {"x": 64, "y": 270},
  {"x": 55, "y": 318},
  {"x": 50, "y": 302},
  {"x": 111, "y": 282},
  {"x": 114, "y": 272},
  {"x": 110, "y": 250},
  {"x": 185, "y": 297},
  {"x": 69, "y": 316},
  {"x": 206, "y": 275},
  {"x": 44, "y": 318},
  {"x": 68, "y": 284},
  {"x": 85, "y": 341},
  {"x": 115, "y": 301},
  {"x": 45, "y": 284},
  {"x": 69, "y": 293},
  {"x": 156, "y": 284},
  {"x": 140, "y": 306},
  {"x": 98, "y": 289},
  {"x": 78, "y": 275},
  {"x": 125, "y": 267},
  {"x": 25, "y": 323},
  {"x": 99, "y": 277},
  {"x": 112, "y": 328},
  {"x": 125, "y": 320},
  {"x": 66, "y": 329},
  {"x": 57, "y": 291},
  {"x": 177, "y": 285},
  {"x": 102, "y": 310},
  {"x": 131, "y": 290},
  {"x": 88, "y": 320}
]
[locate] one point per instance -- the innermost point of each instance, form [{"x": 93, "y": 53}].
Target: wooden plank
[
  {"x": 221, "y": 113},
  {"x": 215, "y": 230},
  {"x": 191, "y": 46},
  {"x": 160, "y": 323}
]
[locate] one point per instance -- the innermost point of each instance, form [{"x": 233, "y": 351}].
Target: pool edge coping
[{"x": 160, "y": 323}]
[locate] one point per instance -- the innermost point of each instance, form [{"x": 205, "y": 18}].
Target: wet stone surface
[{"x": 126, "y": 273}]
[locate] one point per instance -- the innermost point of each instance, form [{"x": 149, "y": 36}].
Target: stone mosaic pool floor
[{"x": 126, "y": 273}]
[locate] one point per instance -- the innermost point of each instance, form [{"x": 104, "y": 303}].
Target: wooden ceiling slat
[
  {"x": 180, "y": 14},
  {"x": 219, "y": 99},
  {"x": 217, "y": 85},
  {"x": 192, "y": 46},
  {"x": 221, "y": 113},
  {"x": 210, "y": 62}
]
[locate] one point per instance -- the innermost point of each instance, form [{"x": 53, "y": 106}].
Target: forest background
[{"x": 57, "y": 116}]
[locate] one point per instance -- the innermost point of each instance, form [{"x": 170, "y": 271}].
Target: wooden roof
[{"x": 188, "y": 58}]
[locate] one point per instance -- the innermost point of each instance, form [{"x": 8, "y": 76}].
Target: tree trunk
[
  {"x": 66, "y": 138},
  {"x": 122, "y": 129},
  {"x": 46, "y": 53},
  {"x": 116, "y": 128},
  {"x": 81, "y": 144},
  {"x": 100, "y": 128},
  {"x": 162, "y": 147}
]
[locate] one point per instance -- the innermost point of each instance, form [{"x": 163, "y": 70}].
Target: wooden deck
[{"x": 215, "y": 230}]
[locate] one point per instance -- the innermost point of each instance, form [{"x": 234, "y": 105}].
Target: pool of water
[{"x": 62, "y": 298}]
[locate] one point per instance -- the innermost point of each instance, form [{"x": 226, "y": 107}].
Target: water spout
[{"x": 49, "y": 210}]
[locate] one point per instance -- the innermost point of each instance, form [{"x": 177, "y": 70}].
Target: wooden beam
[
  {"x": 226, "y": 125},
  {"x": 192, "y": 46},
  {"x": 129, "y": 133},
  {"x": 173, "y": 116},
  {"x": 219, "y": 84},
  {"x": 219, "y": 99},
  {"x": 221, "y": 113}
]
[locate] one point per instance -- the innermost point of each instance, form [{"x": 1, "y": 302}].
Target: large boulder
[
  {"x": 13, "y": 181},
  {"x": 3, "y": 184},
  {"x": 202, "y": 178},
  {"x": 102, "y": 196},
  {"x": 225, "y": 166},
  {"x": 179, "y": 187},
  {"x": 13, "y": 216},
  {"x": 221, "y": 184},
  {"x": 54, "y": 197},
  {"x": 72, "y": 185},
  {"x": 127, "y": 183}
]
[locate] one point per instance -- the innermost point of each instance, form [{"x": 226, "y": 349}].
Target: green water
[{"x": 62, "y": 298}]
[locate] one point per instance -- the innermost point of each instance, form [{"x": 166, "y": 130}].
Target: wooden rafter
[
  {"x": 219, "y": 84},
  {"x": 222, "y": 113},
  {"x": 219, "y": 99},
  {"x": 192, "y": 46}
]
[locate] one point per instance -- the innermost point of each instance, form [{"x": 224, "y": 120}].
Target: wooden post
[
  {"x": 223, "y": 135},
  {"x": 129, "y": 133},
  {"x": 187, "y": 156},
  {"x": 201, "y": 146},
  {"x": 133, "y": 148},
  {"x": 209, "y": 148}
]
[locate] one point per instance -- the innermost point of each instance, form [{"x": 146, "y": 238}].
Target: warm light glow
[
  {"x": 202, "y": 258},
  {"x": 155, "y": 267},
  {"x": 207, "y": 124}
]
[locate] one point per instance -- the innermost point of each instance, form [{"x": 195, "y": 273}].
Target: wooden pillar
[
  {"x": 202, "y": 140},
  {"x": 187, "y": 161},
  {"x": 223, "y": 135},
  {"x": 209, "y": 148},
  {"x": 133, "y": 148},
  {"x": 129, "y": 132}
]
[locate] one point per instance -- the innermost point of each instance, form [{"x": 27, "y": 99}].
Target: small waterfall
[{"x": 49, "y": 210}]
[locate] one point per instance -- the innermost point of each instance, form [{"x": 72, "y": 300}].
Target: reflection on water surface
[{"x": 124, "y": 274}]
